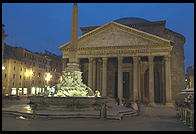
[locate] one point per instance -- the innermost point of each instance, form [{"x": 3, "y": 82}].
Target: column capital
[
  {"x": 94, "y": 60},
  {"x": 90, "y": 59},
  {"x": 151, "y": 58},
  {"x": 120, "y": 58},
  {"x": 167, "y": 57},
  {"x": 136, "y": 58},
  {"x": 104, "y": 59}
]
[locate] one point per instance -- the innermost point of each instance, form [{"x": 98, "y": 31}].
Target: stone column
[
  {"x": 90, "y": 72},
  {"x": 135, "y": 78},
  {"x": 63, "y": 64},
  {"x": 163, "y": 81},
  {"x": 168, "y": 80},
  {"x": 94, "y": 74},
  {"x": 139, "y": 78},
  {"x": 104, "y": 77},
  {"x": 120, "y": 79},
  {"x": 98, "y": 76},
  {"x": 65, "y": 61},
  {"x": 151, "y": 79}
]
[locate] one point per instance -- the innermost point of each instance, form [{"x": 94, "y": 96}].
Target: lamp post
[
  {"x": 29, "y": 74},
  {"x": 3, "y": 68},
  {"x": 48, "y": 76}
]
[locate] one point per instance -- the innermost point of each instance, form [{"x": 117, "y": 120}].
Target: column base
[
  {"x": 169, "y": 104},
  {"x": 111, "y": 100},
  {"x": 152, "y": 104}
]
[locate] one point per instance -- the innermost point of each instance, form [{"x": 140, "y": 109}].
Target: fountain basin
[{"x": 67, "y": 103}]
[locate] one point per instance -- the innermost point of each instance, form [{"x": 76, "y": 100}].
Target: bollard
[
  {"x": 185, "y": 115},
  {"x": 103, "y": 111},
  {"x": 191, "y": 120},
  {"x": 178, "y": 112},
  {"x": 188, "y": 117},
  {"x": 181, "y": 114}
]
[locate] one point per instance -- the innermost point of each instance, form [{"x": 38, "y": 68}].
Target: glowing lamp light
[
  {"x": 48, "y": 76},
  {"x": 31, "y": 72},
  {"x": 3, "y": 68}
]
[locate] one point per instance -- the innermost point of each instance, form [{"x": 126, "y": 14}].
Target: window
[
  {"x": 33, "y": 63},
  {"x": 14, "y": 75},
  {"x": 20, "y": 76},
  {"x": 21, "y": 69},
  {"x": 25, "y": 62},
  {"x": 14, "y": 61},
  {"x": 5, "y": 75}
]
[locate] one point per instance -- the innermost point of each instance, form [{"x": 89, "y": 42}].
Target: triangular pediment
[{"x": 113, "y": 34}]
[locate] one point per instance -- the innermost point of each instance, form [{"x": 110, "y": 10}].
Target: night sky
[{"x": 41, "y": 26}]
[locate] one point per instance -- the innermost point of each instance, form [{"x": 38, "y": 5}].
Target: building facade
[
  {"x": 131, "y": 58},
  {"x": 4, "y": 35},
  {"x": 25, "y": 72}
]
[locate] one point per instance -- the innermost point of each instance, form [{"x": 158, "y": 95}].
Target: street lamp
[
  {"x": 3, "y": 68},
  {"x": 48, "y": 77},
  {"x": 29, "y": 74}
]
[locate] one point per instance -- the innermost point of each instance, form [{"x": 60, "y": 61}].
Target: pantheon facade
[{"x": 131, "y": 58}]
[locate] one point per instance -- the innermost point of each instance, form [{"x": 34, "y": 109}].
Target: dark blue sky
[{"x": 41, "y": 26}]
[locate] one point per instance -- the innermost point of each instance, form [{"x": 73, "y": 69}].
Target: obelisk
[
  {"x": 73, "y": 61},
  {"x": 71, "y": 84}
]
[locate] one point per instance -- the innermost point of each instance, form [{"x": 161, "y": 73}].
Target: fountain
[{"x": 72, "y": 94}]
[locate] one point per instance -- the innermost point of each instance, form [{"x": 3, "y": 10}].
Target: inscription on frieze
[{"x": 110, "y": 52}]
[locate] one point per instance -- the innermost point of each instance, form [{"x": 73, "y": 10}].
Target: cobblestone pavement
[{"x": 150, "y": 119}]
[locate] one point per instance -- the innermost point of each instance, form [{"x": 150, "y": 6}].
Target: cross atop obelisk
[{"x": 74, "y": 35}]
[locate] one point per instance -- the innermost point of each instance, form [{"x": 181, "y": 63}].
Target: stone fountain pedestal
[{"x": 71, "y": 94}]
